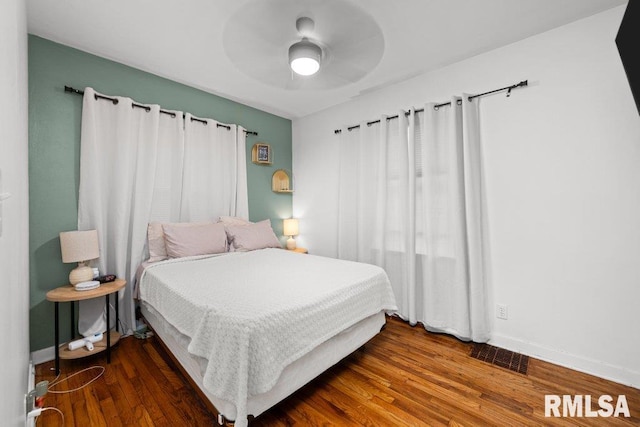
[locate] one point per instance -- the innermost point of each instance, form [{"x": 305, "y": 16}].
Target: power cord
[
  {"x": 36, "y": 412},
  {"x": 55, "y": 382}
]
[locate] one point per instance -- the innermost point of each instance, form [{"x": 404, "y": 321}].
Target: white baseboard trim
[
  {"x": 589, "y": 366},
  {"x": 31, "y": 379},
  {"x": 44, "y": 355}
]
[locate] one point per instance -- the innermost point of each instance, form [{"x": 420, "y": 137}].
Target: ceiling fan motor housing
[
  {"x": 305, "y": 26},
  {"x": 304, "y": 53}
]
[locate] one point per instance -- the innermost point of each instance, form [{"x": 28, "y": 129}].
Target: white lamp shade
[
  {"x": 79, "y": 246},
  {"x": 291, "y": 227},
  {"x": 305, "y": 57}
]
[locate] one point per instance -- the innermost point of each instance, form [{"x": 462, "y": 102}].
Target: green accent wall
[{"x": 54, "y": 153}]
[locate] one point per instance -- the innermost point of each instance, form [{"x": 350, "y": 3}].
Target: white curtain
[
  {"x": 139, "y": 165},
  {"x": 167, "y": 188},
  {"x": 117, "y": 167},
  {"x": 412, "y": 202},
  {"x": 214, "y": 180}
]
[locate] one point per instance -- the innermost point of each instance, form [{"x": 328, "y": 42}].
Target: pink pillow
[
  {"x": 233, "y": 220},
  {"x": 202, "y": 239},
  {"x": 252, "y": 236},
  {"x": 155, "y": 238}
]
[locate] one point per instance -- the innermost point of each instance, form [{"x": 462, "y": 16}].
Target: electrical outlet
[
  {"x": 502, "y": 311},
  {"x": 35, "y": 396}
]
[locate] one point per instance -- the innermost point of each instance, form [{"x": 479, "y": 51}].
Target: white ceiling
[{"x": 183, "y": 40}]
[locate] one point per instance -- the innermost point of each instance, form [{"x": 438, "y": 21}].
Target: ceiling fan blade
[
  {"x": 349, "y": 71},
  {"x": 258, "y": 36}
]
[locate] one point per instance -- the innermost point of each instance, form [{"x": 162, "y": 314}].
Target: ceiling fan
[
  {"x": 305, "y": 56},
  {"x": 333, "y": 42}
]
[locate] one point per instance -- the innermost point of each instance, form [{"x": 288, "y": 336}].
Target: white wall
[
  {"x": 563, "y": 185},
  {"x": 14, "y": 271}
]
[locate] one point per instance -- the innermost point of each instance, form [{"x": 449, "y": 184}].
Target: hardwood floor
[{"x": 404, "y": 376}]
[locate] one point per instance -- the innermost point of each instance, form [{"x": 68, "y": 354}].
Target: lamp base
[
  {"x": 291, "y": 243},
  {"x": 82, "y": 273}
]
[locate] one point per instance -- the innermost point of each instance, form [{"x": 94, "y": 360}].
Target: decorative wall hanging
[
  {"x": 261, "y": 154},
  {"x": 282, "y": 181}
]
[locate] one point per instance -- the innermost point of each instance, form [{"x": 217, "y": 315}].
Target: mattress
[
  {"x": 293, "y": 377},
  {"x": 249, "y": 315}
]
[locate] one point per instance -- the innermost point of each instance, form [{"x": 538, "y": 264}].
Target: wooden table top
[{"x": 68, "y": 292}]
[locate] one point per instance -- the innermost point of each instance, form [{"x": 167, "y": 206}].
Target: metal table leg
[
  {"x": 73, "y": 321},
  {"x": 108, "y": 331},
  {"x": 57, "y": 334},
  {"x": 117, "y": 297}
]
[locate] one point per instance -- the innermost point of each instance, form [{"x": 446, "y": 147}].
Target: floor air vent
[{"x": 499, "y": 356}]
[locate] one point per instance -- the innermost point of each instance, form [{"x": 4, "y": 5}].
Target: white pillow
[
  {"x": 203, "y": 239},
  {"x": 252, "y": 236}
]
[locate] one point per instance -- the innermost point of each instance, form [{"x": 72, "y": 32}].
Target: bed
[{"x": 252, "y": 327}]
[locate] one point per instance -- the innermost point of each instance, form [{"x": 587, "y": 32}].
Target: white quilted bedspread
[{"x": 250, "y": 314}]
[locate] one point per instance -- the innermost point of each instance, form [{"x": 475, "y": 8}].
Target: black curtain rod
[
  {"x": 435, "y": 107},
  {"x": 147, "y": 108}
]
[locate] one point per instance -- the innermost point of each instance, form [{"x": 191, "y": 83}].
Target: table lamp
[
  {"x": 291, "y": 229},
  {"x": 80, "y": 247}
]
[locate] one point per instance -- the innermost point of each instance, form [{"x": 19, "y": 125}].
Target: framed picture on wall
[{"x": 261, "y": 154}]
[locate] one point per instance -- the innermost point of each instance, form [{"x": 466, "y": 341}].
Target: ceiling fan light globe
[
  {"x": 305, "y": 57},
  {"x": 305, "y": 66}
]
